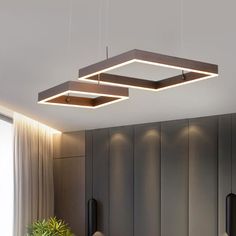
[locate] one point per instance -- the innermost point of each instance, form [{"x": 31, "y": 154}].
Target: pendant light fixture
[
  {"x": 81, "y": 94},
  {"x": 231, "y": 214},
  {"x": 92, "y": 217},
  {"x": 111, "y": 88},
  {"x": 195, "y": 70},
  {"x": 76, "y": 94}
]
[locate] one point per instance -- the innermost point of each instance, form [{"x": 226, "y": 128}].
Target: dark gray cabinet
[
  {"x": 69, "y": 185},
  {"x": 121, "y": 181},
  {"x": 69, "y": 144},
  {"x": 234, "y": 152},
  {"x": 174, "y": 184},
  {"x": 203, "y": 177},
  {"x": 100, "y": 175},
  {"x": 69, "y": 179},
  {"x": 147, "y": 180},
  {"x": 224, "y": 178},
  {"x": 89, "y": 172},
  {"x": 168, "y": 178}
]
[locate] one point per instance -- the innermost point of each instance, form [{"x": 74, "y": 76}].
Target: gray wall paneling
[
  {"x": 174, "y": 185},
  {"x": 181, "y": 176},
  {"x": 69, "y": 144},
  {"x": 89, "y": 172},
  {"x": 224, "y": 179},
  {"x": 203, "y": 190},
  {"x": 57, "y": 145},
  {"x": 100, "y": 144},
  {"x": 69, "y": 179},
  {"x": 121, "y": 181},
  {"x": 147, "y": 180},
  {"x": 69, "y": 192},
  {"x": 234, "y": 153}
]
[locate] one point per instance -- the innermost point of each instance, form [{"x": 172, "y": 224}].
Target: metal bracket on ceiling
[{"x": 68, "y": 99}]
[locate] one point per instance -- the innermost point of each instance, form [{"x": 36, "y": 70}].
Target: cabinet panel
[
  {"x": 101, "y": 177},
  {"x": 121, "y": 181},
  {"x": 88, "y": 172},
  {"x": 224, "y": 178},
  {"x": 69, "y": 185},
  {"x": 174, "y": 185},
  {"x": 234, "y": 153},
  {"x": 203, "y": 190},
  {"x": 71, "y": 144},
  {"x": 147, "y": 180}
]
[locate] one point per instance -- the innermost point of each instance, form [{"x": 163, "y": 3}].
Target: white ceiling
[{"x": 35, "y": 55}]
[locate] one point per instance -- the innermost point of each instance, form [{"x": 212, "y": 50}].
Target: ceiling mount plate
[
  {"x": 190, "y": 70},
  {"x": 78, "y": 94}
]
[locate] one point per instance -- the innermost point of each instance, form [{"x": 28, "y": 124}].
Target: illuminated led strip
[
  {"x": 72, "y": 87},
  {"x": 156, "y": 89},
  {"x": 81, "y": 106},
  {"x": 88, "y": 73}
]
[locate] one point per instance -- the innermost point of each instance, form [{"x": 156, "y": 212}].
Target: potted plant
[{"x": 50, "y": 227}]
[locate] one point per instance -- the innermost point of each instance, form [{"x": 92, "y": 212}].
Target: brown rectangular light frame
[
  {"x": 60, "y": 95},
  {"x": 195, "y": 70}
]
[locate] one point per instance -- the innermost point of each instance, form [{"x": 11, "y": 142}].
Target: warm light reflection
[
  {"x": 154, "y": 132},
  {"x": 80, "y": 106},
  {"x": 118, "y": 136},
  {"x": 98, "y": 234},
  {"x": 20, "y": 118},
  {"x": 48, "y": 99},
  {"x": 184, "y": 132},
  {"x": 79, "y": 92}
]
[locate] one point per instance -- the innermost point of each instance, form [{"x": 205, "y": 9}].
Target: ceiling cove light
[
  {"x": 195, "y": 70},
  {"x": 85, "y": 95}
]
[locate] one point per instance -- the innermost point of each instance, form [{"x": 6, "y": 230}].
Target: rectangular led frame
[
  {"x": 60, "y": 95},
  {"x": 195, "y": 70}
]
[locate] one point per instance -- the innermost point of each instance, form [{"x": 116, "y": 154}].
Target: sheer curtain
[{"x": 33, "y": 173}]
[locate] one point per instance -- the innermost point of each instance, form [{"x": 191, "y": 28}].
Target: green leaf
[{"x": 49, "y": 227}]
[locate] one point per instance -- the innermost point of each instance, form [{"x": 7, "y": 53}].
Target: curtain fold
[{"x": 33, "y": 173}]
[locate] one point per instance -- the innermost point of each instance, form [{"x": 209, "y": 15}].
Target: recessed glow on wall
[{"x": 17, "y": 117}]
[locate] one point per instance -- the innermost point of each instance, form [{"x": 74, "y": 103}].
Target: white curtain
[{"x": 33, "y": 170}]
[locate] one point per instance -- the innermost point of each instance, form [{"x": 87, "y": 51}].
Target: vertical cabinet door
[
  {"x": 121, "y": 181},
  {"x": 224, "y": 155},
  {"x": 234, "y": 153},
  {"x": 88, "y": 173},
  {"x": 100, "y": 143},
  {"x": 69, "y": 187},
  {"x": 203, "y": 189},
  {"x": 147, "y": 180},
  {"x": 174, "y": 184}
]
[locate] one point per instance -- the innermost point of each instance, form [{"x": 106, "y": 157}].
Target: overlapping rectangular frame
[
  {"x": 62, "y": 95},
  {"x": 191, "y": 70}
]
